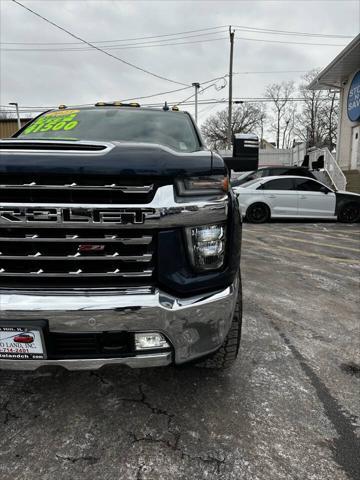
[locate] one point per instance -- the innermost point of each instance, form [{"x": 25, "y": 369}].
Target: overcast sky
[{"x": 46, "y": 78}]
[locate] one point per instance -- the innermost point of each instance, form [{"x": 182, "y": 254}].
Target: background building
[
  {"x": 343, "y": 74},
  {"x": 8, "y": 126}
]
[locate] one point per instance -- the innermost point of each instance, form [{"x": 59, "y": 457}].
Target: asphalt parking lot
[{"x": 289, "y": 408}]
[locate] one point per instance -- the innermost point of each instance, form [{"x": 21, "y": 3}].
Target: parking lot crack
[
  {"x": 100, "y": 377},
  {"x": 347, "y": 445},
  {"x": 150, "y": 439},
  {"x": 155, "y": 410},
  {"x": 174, "y": 446}
]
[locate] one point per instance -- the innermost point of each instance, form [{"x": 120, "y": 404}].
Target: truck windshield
[{"x": 172, "y": 129}]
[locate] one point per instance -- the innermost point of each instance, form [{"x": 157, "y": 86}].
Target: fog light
[
  {"x": 146, "y": 341},
  {"x": 206, "y": 246}
]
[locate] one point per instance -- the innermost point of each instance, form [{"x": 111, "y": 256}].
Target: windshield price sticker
[{"x": 54, "y": 121}]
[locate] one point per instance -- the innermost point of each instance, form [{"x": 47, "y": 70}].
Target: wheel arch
[
  {"x": 262, "y": 201},
  {"x": 348, "y": 203}
]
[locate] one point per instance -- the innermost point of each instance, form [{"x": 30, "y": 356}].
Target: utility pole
[
  {"x": 197, "y": 86},
  {"x": 232, "y": 34},
  {"x": 17, "y": 113}
]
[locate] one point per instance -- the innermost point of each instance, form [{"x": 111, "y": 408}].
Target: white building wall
[
  {"x": 275, "y": 157},
  {"x": 344, "y": 137}
]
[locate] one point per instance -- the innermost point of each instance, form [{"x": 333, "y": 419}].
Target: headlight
[
  {"x": 212, "y": 185},
  {"x": 206, "y": 246}
]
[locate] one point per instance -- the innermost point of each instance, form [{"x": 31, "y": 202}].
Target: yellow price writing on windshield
[{"x": 54, "y": 122}]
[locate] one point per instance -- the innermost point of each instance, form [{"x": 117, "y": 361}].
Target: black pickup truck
[{"x": 120, "y": 242}]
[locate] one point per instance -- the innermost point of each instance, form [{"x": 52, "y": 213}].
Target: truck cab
[{"x": 120, "y": 242}]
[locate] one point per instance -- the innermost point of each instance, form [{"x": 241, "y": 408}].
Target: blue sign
[{"x": 353, "y": 100}]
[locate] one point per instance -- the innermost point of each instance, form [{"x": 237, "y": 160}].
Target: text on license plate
[{"x": 21, "y": 343}]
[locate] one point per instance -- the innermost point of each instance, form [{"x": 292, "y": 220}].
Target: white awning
[{"x": 339, "y": 70}]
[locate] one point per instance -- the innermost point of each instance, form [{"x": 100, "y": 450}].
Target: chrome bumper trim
[
  {"x": 194, "y": 326},
  {"x": 140, "y": 361}
]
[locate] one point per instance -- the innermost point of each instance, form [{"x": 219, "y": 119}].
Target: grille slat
[
  {"x": 121, "y": 258},
  {"x": 82, "y": 189},
  {"x": 143, "y": 274},
  {"x": 122, "y": 188},
  {"x": 53, "y": 259},
  {"x": 145, "y": 240}
]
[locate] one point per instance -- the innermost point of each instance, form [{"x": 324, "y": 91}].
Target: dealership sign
[{"x": 353, "y": 101}]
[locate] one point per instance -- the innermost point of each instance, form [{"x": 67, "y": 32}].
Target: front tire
[
  {"x": 226, "y": 355},
  {"x": 349, "y": 213},
  {"x": 258, "y": 213}
]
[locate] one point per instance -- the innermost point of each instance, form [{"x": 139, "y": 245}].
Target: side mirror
[
  {"x": 245, "y": 157},
  {"x": 325, "y": 190}
]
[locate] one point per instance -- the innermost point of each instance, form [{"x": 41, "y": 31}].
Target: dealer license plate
[{"x": 18, "y": 343}]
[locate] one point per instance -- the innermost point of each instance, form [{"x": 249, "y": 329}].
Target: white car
[{"x": 295, "y": 197}]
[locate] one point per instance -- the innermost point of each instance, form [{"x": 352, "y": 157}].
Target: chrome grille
[
  {"x": 85, "y": 246},
  {"x": 75, "y": 189},
  {"x": 76, "y": 257}
]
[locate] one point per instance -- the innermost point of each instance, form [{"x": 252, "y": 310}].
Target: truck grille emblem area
[
  {"x": 62, "y": 257},
  {"x": 86, "y": 247},
  {"x": 76, "y": 234}
]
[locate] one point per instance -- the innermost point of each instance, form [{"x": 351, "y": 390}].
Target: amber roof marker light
[{"x": 117, "y": 103}]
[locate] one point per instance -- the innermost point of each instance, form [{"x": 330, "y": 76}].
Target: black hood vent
[{"x": 53, "y": 146}]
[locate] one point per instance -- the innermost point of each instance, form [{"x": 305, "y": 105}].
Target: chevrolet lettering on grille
[{"x": 59, "y": 215}]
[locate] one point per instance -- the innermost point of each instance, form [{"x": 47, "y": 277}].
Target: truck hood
[{"x": 103, "y": 158}]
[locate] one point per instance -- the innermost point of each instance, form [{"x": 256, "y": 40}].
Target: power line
[
  {"x": 123, "y": 39},
  {"x": 124, "y": 45},
  {"x": 136, "y": 46},
  {"x": 273, "y": 71},
  {"x": 235, "y": 100},
  {"x": 289, "y": 32},
  {"x": 98, "y": 48},
  {"x": 108, "y": 48},
  {"x": 201, "y": 102},
  {"x": 172, "y": 102},
  {"x": 208, "y": 29},
  {"x": 289, "y": 43},
  {"x": 35, "y": 108},
  {"x": 200, "y": 91}
]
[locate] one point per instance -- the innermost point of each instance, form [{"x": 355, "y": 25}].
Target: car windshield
[
  {"x": 174, "y": 130},
  {"x": 236, "y": 181},
  {"x": 248, "y": 184}
]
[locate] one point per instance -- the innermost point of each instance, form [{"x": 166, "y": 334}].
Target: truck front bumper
[{"x": 193, "y": 326}]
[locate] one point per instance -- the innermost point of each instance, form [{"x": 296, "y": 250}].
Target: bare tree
[
  {"x": 288, "y": 126},
  {"x": 317, "y": 121},
  {"x": 331, "y": 117},
  {"x": 280, "y": 94},
  {"x": 246, "y": 118}
]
